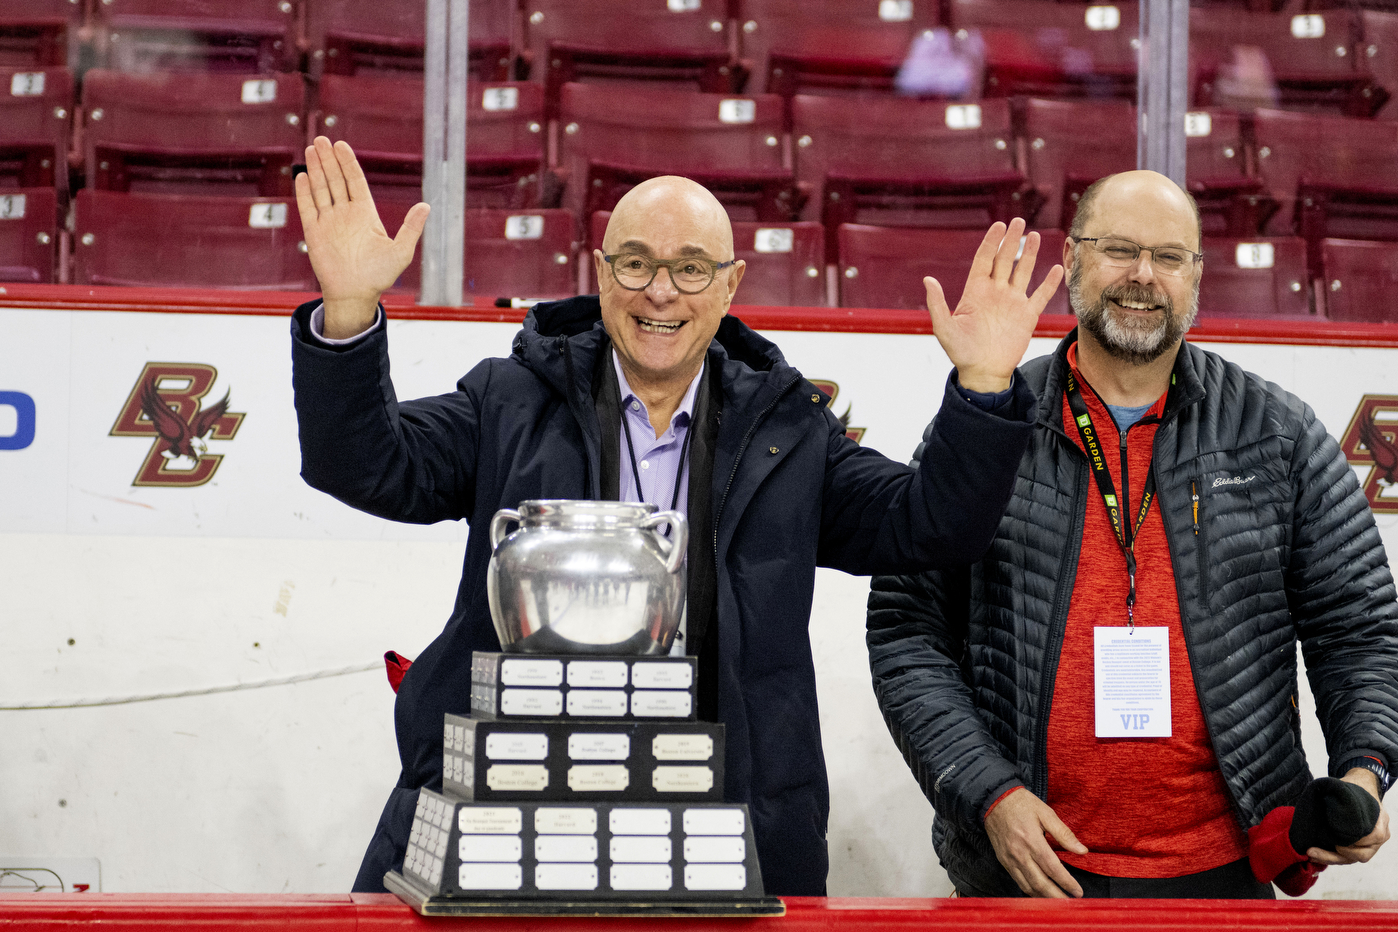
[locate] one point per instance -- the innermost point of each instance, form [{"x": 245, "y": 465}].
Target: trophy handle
[
  {"x": 497, "y": 526},
  {"x": 680, "y": 543}
]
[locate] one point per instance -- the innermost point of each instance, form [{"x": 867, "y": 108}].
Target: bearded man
[{"x": 1105, "y": 704}]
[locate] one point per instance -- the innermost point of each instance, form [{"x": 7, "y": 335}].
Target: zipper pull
[{"x": 1194, "y": 495}]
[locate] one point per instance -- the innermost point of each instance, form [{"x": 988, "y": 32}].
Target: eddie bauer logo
[
  {"x": 165, "y": 405},
  {"x": 1372, "y": 440},
  {"x": 832, "y": 389}
]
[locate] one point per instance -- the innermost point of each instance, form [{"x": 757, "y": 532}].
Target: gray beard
[{"x": 1131, "y": 340}]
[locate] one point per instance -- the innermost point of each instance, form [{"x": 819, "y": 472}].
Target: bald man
[
  {"x": 655, "y": 372},
  {"x": 1119, "y": 671}
]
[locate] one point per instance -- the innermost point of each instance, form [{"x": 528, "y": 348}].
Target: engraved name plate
[
  {"x": 490, "y": 820},
  {"x": 682, "y": 747},
  {"x": 641, "y": 877},
  {"x": 605, "y": 674},
  {"x": 531, "y": 701},
  {"x": 593, "y": 746},
  {"x": 489, "y": 848},
  {"x": 606, "y": 703},
  {"x": 565, "y": 821},
  {"x": 565, "y": 877},
  {"x": 713, "y": 821},
  {"x": 506, "y": 746},
  {"x": 579, "y": 848},
  {"x": 683, "y": 779},
  {"x": 532, "y": 777},
  {"x": 715, "y": 848},
  {"x": 639, "y": 821},
  {"x": 490, "y": 877},
  {"x": 646, "y": 675},
  {"x": 660, "y": 702},
  {"x": 715, "y": 877},
  {"x": 591, "y": 778},
  {"x": 649, "y": 849},
  {"x": 519, "y": 672}
]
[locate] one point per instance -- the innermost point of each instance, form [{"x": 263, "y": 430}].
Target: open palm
[
  {"x": 988, "y": 334},
  {"x": 354, "y": 258}
]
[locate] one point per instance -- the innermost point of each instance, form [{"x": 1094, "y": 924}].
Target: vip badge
[{"x": 166, "y": 405}]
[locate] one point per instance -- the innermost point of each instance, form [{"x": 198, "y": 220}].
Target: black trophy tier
[{"x": 581, "y": 785}]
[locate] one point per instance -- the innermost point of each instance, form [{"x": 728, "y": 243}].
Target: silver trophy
[{"x": 585, "y": 577}]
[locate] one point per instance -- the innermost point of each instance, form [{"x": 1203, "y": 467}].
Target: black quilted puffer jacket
[{"x": 964, "y": 660}]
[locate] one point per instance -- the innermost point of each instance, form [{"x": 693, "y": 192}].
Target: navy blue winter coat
[{"x": 790, "y": 493}]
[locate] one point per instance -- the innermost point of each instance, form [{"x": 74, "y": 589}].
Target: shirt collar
[{"x": 686, "y": 408}]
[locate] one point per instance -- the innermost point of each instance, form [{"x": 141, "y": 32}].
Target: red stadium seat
[
  {"x": 249, "y": 36},
  {"x": 628, "y": 40},
  {"x": 382, "y": 119},
  {"x": 35, "y": 116},
  {"x": 509, "y": 254},
  {"x": 1360, "y": 280},
  {"x": 193, "y": 133},
  {"x": 1256, "y": 277},
  {"x": 884, "y": 266},
  {"x": 158, "y": 240},
  {"x": 822, "y": 46},
  {"x": 1307, "y": 61},
  {"x": 900, "y": 162},
  {"x": 1232, "y": 202},
  {"x": 357, "y": 36},
  {"x": 785, "y": 261},
  {"x": 1334, "y": 176},
  {"x": 39, "y": 33},
  {"x": 1379, "y": 49},
  {"x": 1055, "y": 50},
  {"x": 28, "y": 234},
  {"x": 1058, "y": 163},
  {"x": 730, "y": 144}
]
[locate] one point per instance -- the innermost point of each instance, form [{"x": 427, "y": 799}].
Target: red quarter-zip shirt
[{"x": 1152, "y": 807}]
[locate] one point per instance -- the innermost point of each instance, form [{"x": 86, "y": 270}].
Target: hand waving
[
  {"x": 987, "y": 335},
  {"x": 352, "y": 255}
]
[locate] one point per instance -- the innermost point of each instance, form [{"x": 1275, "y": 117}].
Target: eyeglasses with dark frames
[
  {"x": 635, "y": 272},
  {"x": 1121, "y": 253}
]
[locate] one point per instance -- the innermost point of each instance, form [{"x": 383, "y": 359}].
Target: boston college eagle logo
[
  {"x": 1372, "y": 440},
  {"x": 832, "y": 389},
  {"x": 165, "y": 405}
]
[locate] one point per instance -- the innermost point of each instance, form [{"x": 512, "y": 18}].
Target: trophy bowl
[{"x": 585, "y": 577}]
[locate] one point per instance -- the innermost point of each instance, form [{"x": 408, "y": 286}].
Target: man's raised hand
[
  {"x": 354, "y": 258},
  {"x": 988, "y": 334}
]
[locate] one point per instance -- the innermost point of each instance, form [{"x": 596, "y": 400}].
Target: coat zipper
[{"x": 742, "y": 448}]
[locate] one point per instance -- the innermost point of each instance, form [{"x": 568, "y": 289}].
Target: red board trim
[{"x": 826, "y": 319}]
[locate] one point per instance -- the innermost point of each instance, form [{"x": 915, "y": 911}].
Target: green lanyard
[{"x": 1125, "y": 535}]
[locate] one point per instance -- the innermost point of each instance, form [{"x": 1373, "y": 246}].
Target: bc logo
[{"x": 16, "y": 420}]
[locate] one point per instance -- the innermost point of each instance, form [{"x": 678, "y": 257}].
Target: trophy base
[{"x": 428, "y": 904}]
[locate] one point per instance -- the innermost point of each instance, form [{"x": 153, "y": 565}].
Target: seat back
[
  {"x": 193, "y": 133},
  {"x": 628, "y": 40},
  {"x": 381, "y": 118},
  {"x": 1255, "y": 277},
  {"x": 810, "y": 46},
  {"x": 368, "y": 36},
  {"x": 1360, "y": 280},
  {"x": 250, "y": 36},
  {"x": 509, "y": 254},
  {"x": 1057, "y": 162},
  {"x": 1055, "y": 50},
  {"x": 28, "y": 234},
  {"x": 39, "y": 33},
  {"x": 36, "y": 108},
  {"x": 159, "y": 240},
  {"x": 614, "y": 137},
  {"x": 884, "y": 266}
]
